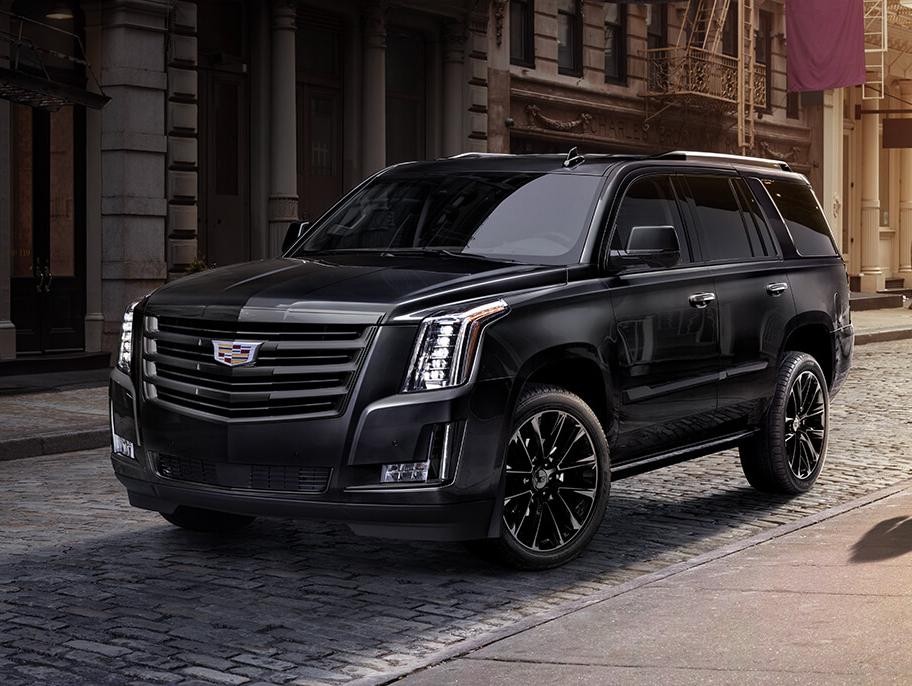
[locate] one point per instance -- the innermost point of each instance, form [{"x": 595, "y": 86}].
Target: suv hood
[{"x": 366, "y": 283}]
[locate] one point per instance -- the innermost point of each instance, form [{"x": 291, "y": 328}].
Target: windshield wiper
[{"x": 467, "y": 255}]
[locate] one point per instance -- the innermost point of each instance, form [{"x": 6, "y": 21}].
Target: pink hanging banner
[{"x": 825, "y": 40}]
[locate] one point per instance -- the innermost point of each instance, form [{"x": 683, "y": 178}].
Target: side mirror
[
  {"x": 294, "y": 232},
  {"x": 654, "y": 246}
]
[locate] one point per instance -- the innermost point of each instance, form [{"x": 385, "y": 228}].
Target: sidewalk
[
  {"x": 827, "y": 604},
  {"x": 65, "y": 418}
]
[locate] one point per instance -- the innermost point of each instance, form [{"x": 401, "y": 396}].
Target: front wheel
[
  {"x": 786, "y": 456},
  {"x": 197, "y": 519},
  {"x": 556, "y": 480}
]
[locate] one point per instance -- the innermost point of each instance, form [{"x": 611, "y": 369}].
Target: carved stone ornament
[
  {"x": 535, "y": 117},
  {"x": 500, "y": 8},
  {"x": 837, "y": 205},
  {"x": 793, "y": 155}
]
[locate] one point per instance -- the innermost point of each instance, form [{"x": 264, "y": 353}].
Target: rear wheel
[
  {"x": 556, "y": 480},
  {"x": 197, "y": 519},
  {"x": 788, "y": 453}
]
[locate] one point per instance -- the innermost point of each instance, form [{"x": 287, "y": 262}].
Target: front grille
[
  {"x": 290, "y": 478},
  {"x": 301, "y": 369}
]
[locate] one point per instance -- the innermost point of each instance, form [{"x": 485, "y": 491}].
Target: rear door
[
  {"x": 752, "y": 291},
  {"x": 665, "y": 359}
]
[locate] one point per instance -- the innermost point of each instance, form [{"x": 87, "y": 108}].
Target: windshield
[{"x": 525, "y": 217}]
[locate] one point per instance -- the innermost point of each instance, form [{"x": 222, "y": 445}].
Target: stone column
[
  {"x": 453, "y": 83},
  {"x": 905, "y": 201},
  {"x": 872, "y": 278},
  {"x": 183, "y": 148},
  {"x": 94, "y": 318},
  {"x": 374, "y": 89},
  {"x": 832, "y": 156},
  {"x": 7, "y": 329},
  {"x": 133, "y": 146},
  {"x": 491, "y": 78},
  {"x": 283, "y": 145}
]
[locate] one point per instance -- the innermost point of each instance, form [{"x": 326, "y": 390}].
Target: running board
[{"x": 647, "y": 464}]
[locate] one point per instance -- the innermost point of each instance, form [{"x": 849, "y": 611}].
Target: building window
[
  {"x": 615, "y": 43},
  {"x": 730, "y": 32},
  {"x": 569, "y": 38},
  {"x": 656, "y": 26},
  {"x": 764, "y": 54},
  {"x": 522, "y": 33},
  {"x": 793, "y": 106}
]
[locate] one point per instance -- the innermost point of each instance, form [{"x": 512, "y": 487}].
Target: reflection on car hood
[{"x": 366, "y": 282}]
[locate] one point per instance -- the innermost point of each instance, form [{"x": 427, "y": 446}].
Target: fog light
[
  {"x": 122, "y": 446},
  {"x": 404, "y": 471}
]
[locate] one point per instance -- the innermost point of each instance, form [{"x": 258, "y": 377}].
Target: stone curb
[
  {"x": 883, "y": 336},
  {"x": 487, "y": 639},
  {"x": 53, "y": 443}
]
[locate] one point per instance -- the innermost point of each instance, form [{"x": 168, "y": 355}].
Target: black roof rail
[{"x": 723, "y": 157}]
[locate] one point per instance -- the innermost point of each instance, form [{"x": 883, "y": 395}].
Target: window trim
[
  {"x": 528, "y": 57},
  {"x": 576, "y": 33},
  {"x": 623, "y": 53}
]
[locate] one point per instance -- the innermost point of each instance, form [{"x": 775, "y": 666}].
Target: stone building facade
[{"x": 227, "y": 119}]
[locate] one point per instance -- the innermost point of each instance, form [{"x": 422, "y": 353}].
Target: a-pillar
[
  {"x": 905, "y": 201},
  {"x": 872, "y": 277},
  {"x": 283, "y": 146},
  {"x": 7, "y": 330},
  {"x": 453, "y": 88},
  {"x": 374, "y": 88}
]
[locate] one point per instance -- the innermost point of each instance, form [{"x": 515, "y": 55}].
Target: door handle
[
  {"x": 39, "y": 287},
  {"x": 50, "y": 279},
  {"x": 776, "y": 289},
  {"x": 701, "y": 300}
]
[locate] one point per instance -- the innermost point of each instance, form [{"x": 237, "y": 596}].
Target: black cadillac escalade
[{"x": 471, "y": 349}]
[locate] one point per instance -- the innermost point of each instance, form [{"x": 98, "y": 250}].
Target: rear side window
[
  {"x": 649, "y": 201},
  {"x": 726, "y": 231},
  {"x": 803, "y": 217}
]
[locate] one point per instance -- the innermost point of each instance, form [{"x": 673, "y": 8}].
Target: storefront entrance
[{"x": 48, "y": 229}]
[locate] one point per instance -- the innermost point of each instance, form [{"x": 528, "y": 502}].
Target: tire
[
  {"x": 560, "y": 487},
  {"x": 196, "y": 519},
  {"x": 788, "y": 453}
]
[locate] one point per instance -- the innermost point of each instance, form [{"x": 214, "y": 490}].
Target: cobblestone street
[{"x": 93, "y": 591}]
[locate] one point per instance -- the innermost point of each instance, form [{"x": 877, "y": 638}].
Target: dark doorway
[
  {"x": 319, "y": 105},
  {"x": 224, "y": 96},
  {"x": 406, "y": 96},
  {"x": 48, "y": 229}
]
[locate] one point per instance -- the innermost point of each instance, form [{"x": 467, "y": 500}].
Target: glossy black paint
[{"x": 669, "y": 380}]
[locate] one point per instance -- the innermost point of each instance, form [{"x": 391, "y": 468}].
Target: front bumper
[{"x": 350, "y": 448}]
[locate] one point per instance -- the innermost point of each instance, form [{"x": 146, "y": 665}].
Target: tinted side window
[
  {"x": 757, "y": 229},
  {"x": 803, "y": 217},
  {"x": 649, "y": 201},
  {"x": 724, "y": 233}
]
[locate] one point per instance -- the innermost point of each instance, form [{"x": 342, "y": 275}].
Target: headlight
[
  {"x": 125, "y": 354},
  {"x": 446, "y": 346}
]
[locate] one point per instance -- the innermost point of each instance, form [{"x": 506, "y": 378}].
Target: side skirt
[{"x": 647, "y": 464}]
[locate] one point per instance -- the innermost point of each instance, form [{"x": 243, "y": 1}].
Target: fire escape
[{"x": 696, "y": 74}]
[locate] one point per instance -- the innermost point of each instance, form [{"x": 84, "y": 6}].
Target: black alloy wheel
[
  {"x": 789, "y": 451},
  {"x": 556, "y": 480}
]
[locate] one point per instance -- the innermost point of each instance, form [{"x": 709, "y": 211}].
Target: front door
[
  {"x": 666, "y": 353},
  {"x": 48, "y": 234}
]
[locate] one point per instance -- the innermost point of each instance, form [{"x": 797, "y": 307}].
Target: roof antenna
[{"x": 573, "y": 158}]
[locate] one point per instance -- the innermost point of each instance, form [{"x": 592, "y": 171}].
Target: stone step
[
  {"x": 54, "y": 363},
  {"x": 874, "y": 301}
]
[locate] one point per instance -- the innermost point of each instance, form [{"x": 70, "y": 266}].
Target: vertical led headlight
[
  {"x": 125, "y": 352},
  {"x": 446, "y": 346}
]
